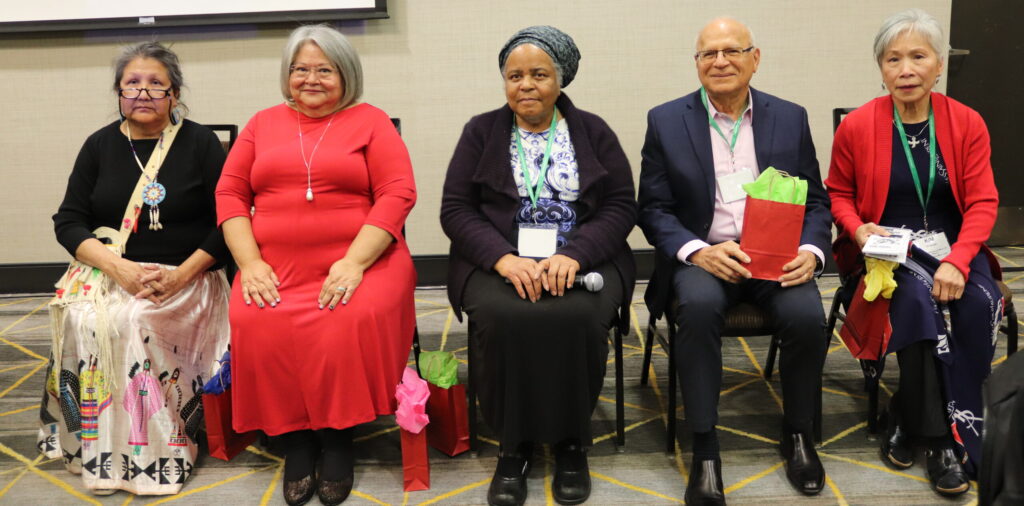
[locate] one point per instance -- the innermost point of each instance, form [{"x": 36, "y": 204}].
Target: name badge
[
  {"x": 731, "y": 185},
  {"x": 935, "y": 244},
  {"x": 537, "y": 241}
]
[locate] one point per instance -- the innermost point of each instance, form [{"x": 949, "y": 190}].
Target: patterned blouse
[{"x": 556, "y": 202}]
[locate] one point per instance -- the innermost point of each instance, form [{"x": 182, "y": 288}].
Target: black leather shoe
[
  {"x": 508, "y": 486},
  {"x": 946, "y": 474},
  {"x": 897, "y": 451},
  {"x": 705, "y": 484},
  {"x": 297, "y": 492},
  {"x": 571, "y": 484},
  {"x": 803, "y": 468}
]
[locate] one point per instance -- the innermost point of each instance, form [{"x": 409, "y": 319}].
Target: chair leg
[
  {"x": 873, "y": 409},
  {"x": 652, "y": 328},
  {"x": 620, "y": 411},
  {"x": 833, "y": 314},
  {"x": 1012, "y": 330},
  {"x": 416, "y": 347},
  {"x": 474, "y": 445},
  {"x": 670, "y": 444},
  {"x": 769, "y": 363}
]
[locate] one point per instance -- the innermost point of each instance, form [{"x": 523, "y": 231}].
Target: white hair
[
  {"x": 338, "y": 51},
  {"x": 911, "y": 21}
]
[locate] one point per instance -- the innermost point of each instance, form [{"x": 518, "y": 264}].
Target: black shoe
[
  {"x": 896, "y": 450},
  {"x": 336, "y": 466},
  {"x": 803, "y": 468},
  {"x": 508, "y": 486},
  {"x": 946, "y": 474},
  {"x": 705, "y": 484},
  {"x": 297, "y": 492},
  {"x": 572, "y": 475}
]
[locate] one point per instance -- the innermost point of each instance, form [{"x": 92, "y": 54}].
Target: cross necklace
[{"x": 913, "y": 142}]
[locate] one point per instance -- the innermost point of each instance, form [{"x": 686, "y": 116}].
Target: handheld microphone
[{"x": 591, "y": 281}]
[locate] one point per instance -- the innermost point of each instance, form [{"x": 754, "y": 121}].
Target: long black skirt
[{"x": 538, "y": 367}]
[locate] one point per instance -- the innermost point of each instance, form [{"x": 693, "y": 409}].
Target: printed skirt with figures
[{"x": 131, "y": 421}]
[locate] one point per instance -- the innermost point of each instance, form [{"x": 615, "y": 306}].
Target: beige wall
[{"x": 433, "y": 64}]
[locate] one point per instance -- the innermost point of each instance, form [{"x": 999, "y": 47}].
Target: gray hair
[
  {"x": 155, "y": 51},
  {"x": 338, "y": 51},
  {"x": 911, "y": 21},
  {"x": 556, "y": 43}
]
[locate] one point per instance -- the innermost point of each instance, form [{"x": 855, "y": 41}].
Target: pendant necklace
[
  {"x": 302, "y": 150},
  {"x": 912, "y": 139},
  {"x": 153, "y": 193}
]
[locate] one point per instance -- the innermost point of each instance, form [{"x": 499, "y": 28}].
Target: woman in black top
[{"x": 156, "y": 323}]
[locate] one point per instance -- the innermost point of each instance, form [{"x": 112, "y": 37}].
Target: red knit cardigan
[{"x": 858, "y": 179}]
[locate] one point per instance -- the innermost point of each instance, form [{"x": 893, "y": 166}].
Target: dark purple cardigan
[{"x": 480, "y": 200}]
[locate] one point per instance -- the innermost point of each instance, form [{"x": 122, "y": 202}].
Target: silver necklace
[
  {"x": 302, "y": 150},
  {"x": 912, "y": 139}
]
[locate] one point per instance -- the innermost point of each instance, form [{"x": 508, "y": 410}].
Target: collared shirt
[{"x": 727, "y": 221}]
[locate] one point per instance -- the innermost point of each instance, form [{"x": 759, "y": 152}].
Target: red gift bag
[
  {"x": 223, "y": 441},
  {"x": 448, "y": 430},
  {"x": 415, "y": 464},
  {"x": 867, "y": 329},
  {"x": 771, "y": 236}
]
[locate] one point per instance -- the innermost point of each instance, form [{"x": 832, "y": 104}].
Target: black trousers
[
  {"x": 919, "y": 399},
  {"x": 700, "y": 316},
  {"x": 538, "y": 368}
]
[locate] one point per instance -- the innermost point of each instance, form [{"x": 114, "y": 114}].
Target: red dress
[{"x": 295, "y": 366}]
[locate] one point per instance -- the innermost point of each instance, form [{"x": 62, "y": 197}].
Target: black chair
[
  {"x": 232, "y": 132},
  {"x": 620, "y": 427},
  {"x": 873, "y": 369},
  {"x": 744, "y": 319}
]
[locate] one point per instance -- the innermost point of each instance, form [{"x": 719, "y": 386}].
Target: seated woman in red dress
[
  {"x": 312, "y": 202},
  {"x": 919, "y": 160}
]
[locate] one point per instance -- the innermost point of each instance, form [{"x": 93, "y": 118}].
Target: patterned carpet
[{"x": 641, "y": 473}]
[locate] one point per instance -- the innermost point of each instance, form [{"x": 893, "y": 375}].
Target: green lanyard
[
  {"x": 533, "y": 189},
  {"x": 714, "y": 124},
  {"x": 921, "y": 196}
]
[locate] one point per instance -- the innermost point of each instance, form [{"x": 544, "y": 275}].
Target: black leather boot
[
  {"x": 803, "y": 468},
  {"x": 896, "y": 450},
  {"x": 705, "y": 484},
  {"x": 945, "y": 472}
]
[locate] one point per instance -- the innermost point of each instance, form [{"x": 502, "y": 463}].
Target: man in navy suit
[{"x": 699, "y": 149}]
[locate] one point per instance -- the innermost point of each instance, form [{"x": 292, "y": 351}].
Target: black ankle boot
[
  {"x": 300, "y": 481},
  {"x": 508, "y": 486},
  {"x": 336, "y": 466},
  {"x": 572, "y": 474}
]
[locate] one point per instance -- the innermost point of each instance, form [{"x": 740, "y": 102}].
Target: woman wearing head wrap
[{"x": 538, "y": 193}]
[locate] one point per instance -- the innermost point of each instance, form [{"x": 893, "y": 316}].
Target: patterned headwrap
[{"x": 556, "y": 43}]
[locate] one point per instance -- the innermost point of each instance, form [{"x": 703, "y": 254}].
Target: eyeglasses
[
  {"x": 303, "y": 72},
  {"x": 731, "y": 54},
  {"x": 155, "y": 94}
]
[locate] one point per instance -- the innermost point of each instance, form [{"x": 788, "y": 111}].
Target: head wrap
[{"x": 556, "y": 43}]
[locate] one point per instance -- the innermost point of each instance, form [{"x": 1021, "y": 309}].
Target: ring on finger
[{"x": 341, "y": 289}]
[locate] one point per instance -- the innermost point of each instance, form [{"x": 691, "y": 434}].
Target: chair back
[{"x": 230, "y": 130}]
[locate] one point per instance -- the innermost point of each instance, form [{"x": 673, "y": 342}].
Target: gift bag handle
[{"x": 783, "y": 175}]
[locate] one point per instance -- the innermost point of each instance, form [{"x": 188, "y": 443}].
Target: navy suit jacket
[{"x": 677, "y": 177}]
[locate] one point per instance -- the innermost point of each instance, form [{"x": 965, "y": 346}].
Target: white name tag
[
  {"x": 537, "y": 241},
  {"x": 731, "y": 185},
  {"x": 935, "y": 244}
]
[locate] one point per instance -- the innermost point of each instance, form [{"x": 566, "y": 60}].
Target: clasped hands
[
  {"x": 948, "y": 282},
  {"x": 148, "y": 281},
  {"x": 260, "y": 282},
  {"x": 554, "y": 274},
  {"x": 725, "y": 261}
]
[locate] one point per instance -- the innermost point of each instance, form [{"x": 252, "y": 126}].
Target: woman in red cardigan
[{"x": 919, "y": 160}]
